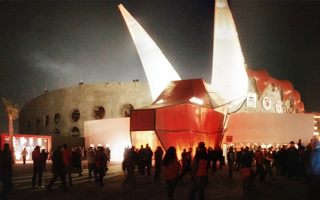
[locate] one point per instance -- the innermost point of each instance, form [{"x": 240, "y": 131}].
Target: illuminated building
[
  {"x": 26, "y": 141},
  {"x": 253, "y": 106},
  {"x": 62, "y": 113}
]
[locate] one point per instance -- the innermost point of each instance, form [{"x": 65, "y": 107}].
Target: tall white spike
[
  {"x": 158, "y": 70},
  {"x": 229, "y": 77}
]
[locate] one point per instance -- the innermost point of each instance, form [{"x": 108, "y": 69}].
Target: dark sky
[{"x": 57, "y": 44}]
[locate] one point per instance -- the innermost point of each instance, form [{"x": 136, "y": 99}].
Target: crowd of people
[{"x": 253, "y": 163}]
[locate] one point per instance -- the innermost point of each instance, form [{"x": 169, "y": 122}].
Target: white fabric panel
[
  {"x": 158, "y": 69},
  {"x": 229, "y": 77},
  {"x": 270, "y": 128}
]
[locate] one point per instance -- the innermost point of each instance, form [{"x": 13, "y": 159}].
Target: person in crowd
[
  {"x": 220, "y": 157},
  {"x": 58, "y": 169},
  {"x": 282, "y": 156},
  {"x": 24, "y": 154},
  {"x": 238, "y": 158},
  {"x": 130, "y": 159},
  {"x": 44, "y": 156},
  {"x": 38, "y": 165},
  {"x": 108, "y": 153},
  {"x": 211, "y": 155},
  {"x": 101, "y": 165},
  {"x": 199, "y": 172},
  {"x": 314, "y": 171},
  {"x": 246, "y": 169},
  {"x": 158, "y": 154},
  {"x": 258, "y": 156},
  {"x": 67, "y": 161},
  {"x": 231, "y": 157},
  {"x": 6, "y": 171},
  {"x": 292, "y": 160},
  {"x": 171, "y": 170},
  {"x": 301, "y": 170},
  {"x": 214, "y": 158},
  {"x": 141, "y": 161},
  {"x": 267, "y": 162},
  {"x": 148, "y": 159},
  {"x": 91, "y": 157},
  {"x": 185, "y": 163},
  {"x": 77, "y": 156}
]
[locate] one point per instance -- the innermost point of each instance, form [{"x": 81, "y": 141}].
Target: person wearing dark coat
[
  {"x": 58, "y": 169},
  {"x": 314, "y": 171},
  {"x": 5, "y": 171},
  {"x": 38, "y": 165},
  {"x": 158, "y": 154}
]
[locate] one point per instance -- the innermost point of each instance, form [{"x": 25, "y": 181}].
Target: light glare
[
  {"x": 229, "y": 78},
  {"x": 196, "y": 100},
  {"x": 158, "y": 69}
]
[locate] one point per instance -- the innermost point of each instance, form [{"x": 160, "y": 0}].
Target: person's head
[
  {"x": 170, "y": 156},
  {"x": 37, "y": 148},
  {"x": 292, "y": 144},
  {"x": 201, "y": 145}
]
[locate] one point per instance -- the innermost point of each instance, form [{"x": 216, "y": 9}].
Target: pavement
[{"x": 220, "y": 187}]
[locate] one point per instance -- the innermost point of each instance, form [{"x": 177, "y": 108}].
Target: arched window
[
  {"x": 75, "y": 132},
  {"x": 98, "y": 112},
  {"x": 56, "y": 118},
  {"x": 126, "y": 110},
  {"x": 75, "y": 115}
]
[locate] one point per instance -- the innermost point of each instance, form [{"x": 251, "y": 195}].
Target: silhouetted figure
[
  {"x": 5, "y": 171},
  {"x": 91, "y": 157},
  {"x": 38, "y": 164},
  {"x": 199, "y": 172},
  {"x": 246, "y": 172},
  {"x": 148, "y": 159},
  {"x": 45, "y": 156},
  {"x": 231, "y": 157},
  {"x": 24, "y": 154},
  {"x": 130, "y": 158},
  {"x": 186, "y": 157},
  {"x": 258, "y": 156},
  {"x": 292, "y": 160},
  {"x": 171, "y": 170},
  {"x": 158, "y": 154},
  {"x": 314, "y": 171},
  {"x": 101, "y": 165},
  {"x": 67, "y": 161},
  {"x": 58, "y": 169},
  {"x": 108, "y": 154}
]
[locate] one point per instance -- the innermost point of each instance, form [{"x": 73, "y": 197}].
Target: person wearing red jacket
[
  {"x": 199, "y": 172},
  {"x": 171, "y": 170},
  {"x": 67, "y": 161},
  {"x": 38, "y": 164}
]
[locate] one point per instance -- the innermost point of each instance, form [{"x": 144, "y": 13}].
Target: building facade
[{"x": 62, "y": 112}]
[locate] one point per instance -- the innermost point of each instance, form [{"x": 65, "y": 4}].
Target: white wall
[
  {"x": 114, "y": 133},
  {"x": 270, "y": 128}
]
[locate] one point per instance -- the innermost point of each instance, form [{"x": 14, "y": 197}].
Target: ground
[{"x": 219, "y": 188}]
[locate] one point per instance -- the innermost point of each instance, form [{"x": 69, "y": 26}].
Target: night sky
[{"x": 56, "y": 44}]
